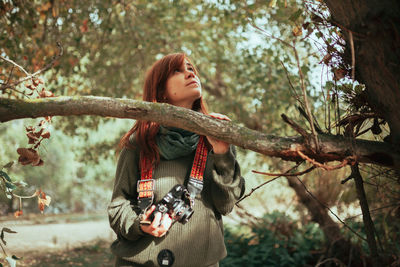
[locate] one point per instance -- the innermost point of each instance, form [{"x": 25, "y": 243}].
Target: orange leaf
[
  {"x": 18, "y": 213},
  {"x": 43, "y": 200},
  {"x": 29, "y": 156},
  {"x": 46, "y": 135},
  {"x": 297, "y": 31},
  {"x": 339, "y": 74}
]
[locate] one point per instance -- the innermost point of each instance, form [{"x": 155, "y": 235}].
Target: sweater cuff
[
  {"x": 224, "y": 163},
  {"x": 135, "y": 230}
]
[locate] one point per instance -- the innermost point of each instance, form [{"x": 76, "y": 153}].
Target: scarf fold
[{"x": 174, "y": 143}]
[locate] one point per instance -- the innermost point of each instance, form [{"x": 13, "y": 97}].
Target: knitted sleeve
[
  {"x": 124, "y": 220},
  {"x": 227, "y": 184}
]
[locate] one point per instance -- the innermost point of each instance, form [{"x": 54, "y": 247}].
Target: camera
[{"x": 176, "y": 203}]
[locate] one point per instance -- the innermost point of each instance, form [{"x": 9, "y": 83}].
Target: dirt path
[{"x": 60, "y": 236}]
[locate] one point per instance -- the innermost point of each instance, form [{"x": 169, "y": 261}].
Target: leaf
[
  {"x": 7, "y": 230},
  {"x": 11, "y": 261},
  {"x": 339, "y": 74},
  {"x": 32, "y": 138},
  {"x": 327, "y": 58},
  {"x": 18, "y": 213},
  {"x": 295, "y": 15},
  {"x": 10, "y": 185},
  {"x": 9, "y": 165},
  {"x": 16, "y": 258},
  {"x": 43, "y": 200},
  {"x": 297, "y": 31},
  {"x": 272, "y": 3},
  {"x": 29, "y": 156},
  {"x": 46, "y": 135},
  {"x": 5, "y": 175}
]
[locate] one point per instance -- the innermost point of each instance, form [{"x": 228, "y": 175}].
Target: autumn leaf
[
  {"x": 29, "y": 156},
  {"x": 38, "y": 133},
  {"x": 339, "y": 74},
  {"x": 297, "y": 31},
  {"x": 272, "y": 3},
  {"x": 32, "y": 138},
  {"x": 327, "y": 58},
  {"x": 46, "y": 135},
  {"x": 30, "y": 129},
  {"x": 84, "y": 26},
  {"x": 18, "y": 213},
  {"x": 45, "y": 93},
  {"x": 43, "y": 200},
  {"x": 9, "y": 165}
]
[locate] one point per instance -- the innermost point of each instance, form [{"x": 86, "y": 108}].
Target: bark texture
[
  {"x": 376, "y": 33},
  {"x": 331, "y": 147}
]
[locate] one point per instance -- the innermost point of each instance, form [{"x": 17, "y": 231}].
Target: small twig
[
  {"x": 4, "y": 251},
  {"x": 273, "y": 179},
  {"x": 323, "y": 166},
  {"x": 15, "y": 64},
  {"x": 296, "y": 96},
  {"x": 286, "y": 174},
  {"x": 373, "y": 210},
  {"x": 353, "y": 56},
  {"x": 28, "y": 75},
  {"x": 316, "y": 125},
  {"x": 307, "y": 106},
  {"x": 295, "y": 126}
]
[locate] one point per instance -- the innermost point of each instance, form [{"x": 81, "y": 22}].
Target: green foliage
[{"x": 275, "y": 241}]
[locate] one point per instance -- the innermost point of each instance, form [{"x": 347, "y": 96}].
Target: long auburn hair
[{"x": 154, "y": 91}]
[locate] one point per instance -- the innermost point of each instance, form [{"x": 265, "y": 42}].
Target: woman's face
[{"x": 183, "y": 86}]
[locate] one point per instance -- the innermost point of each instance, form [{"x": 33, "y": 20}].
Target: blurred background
[{"x": 248, "y": 72}]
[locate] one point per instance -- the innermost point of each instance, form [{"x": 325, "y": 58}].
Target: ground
[{"x": 64, "y": 240}]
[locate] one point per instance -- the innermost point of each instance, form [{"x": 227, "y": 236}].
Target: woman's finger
[
  {"x": 148, "y": 212},
  {"x": 156, "y": 221},
  {"x": 166, "y": 222},
  {"x": 220, "y": 116}
]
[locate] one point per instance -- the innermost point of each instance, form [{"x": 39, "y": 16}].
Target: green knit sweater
[{"x": 199, "y": 242}]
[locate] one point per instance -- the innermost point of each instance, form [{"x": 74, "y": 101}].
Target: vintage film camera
[{"x": 176, "y": 203}]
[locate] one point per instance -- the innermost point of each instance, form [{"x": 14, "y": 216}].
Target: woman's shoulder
[{"x": 132, "y": 147}]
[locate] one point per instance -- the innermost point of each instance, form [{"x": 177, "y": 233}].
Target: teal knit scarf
[{"x": 174, "y": 143}]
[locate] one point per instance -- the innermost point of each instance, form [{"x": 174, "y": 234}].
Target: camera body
[{"x": 176, "y": 203}]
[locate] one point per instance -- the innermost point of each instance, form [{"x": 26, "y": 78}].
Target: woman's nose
[{"x": 189, "y": 74}]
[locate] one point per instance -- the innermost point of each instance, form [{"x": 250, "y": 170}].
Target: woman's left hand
[{"x": 219, "y": 147}]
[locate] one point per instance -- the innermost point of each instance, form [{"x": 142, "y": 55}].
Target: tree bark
[
  {"x": 368, "y": 223},
  {"x": 332, "y": 148},
  {"x": 375, "y": 26}
]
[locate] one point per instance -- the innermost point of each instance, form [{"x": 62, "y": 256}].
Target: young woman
[{"x": 146, "y": 237}]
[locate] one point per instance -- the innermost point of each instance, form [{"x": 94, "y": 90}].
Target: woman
[{"x": 147, "y": 239}]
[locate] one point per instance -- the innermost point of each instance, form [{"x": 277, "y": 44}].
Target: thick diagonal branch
[{"x": 332, "y": 148}]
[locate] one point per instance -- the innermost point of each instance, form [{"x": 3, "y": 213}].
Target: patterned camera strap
[{"x": 145, "y": 186}]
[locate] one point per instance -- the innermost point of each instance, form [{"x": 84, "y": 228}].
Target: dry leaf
[
  {"x": 297, "y": 31},
  {"x": 18, "y": 213},
  {"x": 46, "y": 135},
  {"x": 43, "y": 200}
]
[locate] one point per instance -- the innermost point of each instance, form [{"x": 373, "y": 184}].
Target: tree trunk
[
  {"x": 340, "y": 248},
  {"x": 376, "y": 33}
]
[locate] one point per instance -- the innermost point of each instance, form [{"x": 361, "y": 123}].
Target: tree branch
[{"x": 332, "y": 148}]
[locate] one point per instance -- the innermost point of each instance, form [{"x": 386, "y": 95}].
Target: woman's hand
[
  {"x": 219, "y": 147},
  {"x": 160, "y": 224}
]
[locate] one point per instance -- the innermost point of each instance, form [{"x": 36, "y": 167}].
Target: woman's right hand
[{"x": 160, "y": 224}]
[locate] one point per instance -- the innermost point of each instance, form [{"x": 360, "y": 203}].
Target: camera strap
[{"x": 145, "y": 186}]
